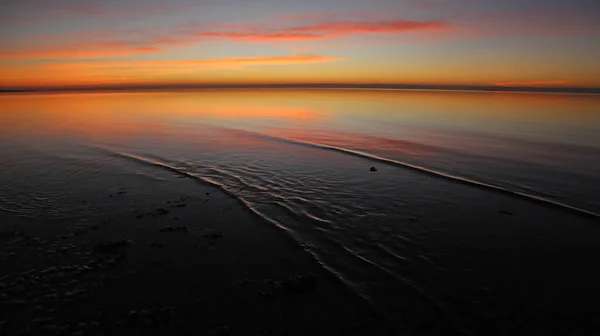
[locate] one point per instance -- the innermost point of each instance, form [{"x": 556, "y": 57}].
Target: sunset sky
[{"x": 532, "y": 43}]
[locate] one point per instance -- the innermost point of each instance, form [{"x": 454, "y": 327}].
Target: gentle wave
[
  {"x": 298, "y": 214},
  {"x": 263, "y": 200},
  {"x": 431, "y": 172}
]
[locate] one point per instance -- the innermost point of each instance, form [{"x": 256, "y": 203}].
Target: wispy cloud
[
  {"x": 260, "y": 36},
  {"x": 122, "y": 43},
  {"x": 200, "y": 64},
  {"x": 323, "y": 30},
  {"x": 110, "y": 72}
]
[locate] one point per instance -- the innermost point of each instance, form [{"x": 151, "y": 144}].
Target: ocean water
[{"x": 483, "y": 206}]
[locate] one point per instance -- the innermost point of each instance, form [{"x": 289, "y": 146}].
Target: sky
[{"x": 509, "y": 43}]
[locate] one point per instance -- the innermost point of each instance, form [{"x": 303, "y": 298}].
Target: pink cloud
[
  {"x": 258, "y": 36},
  {"x": 325, "y": 30},
  {"x": 329, "y": 16},
  {"x": 326, "y": 26},
  {"x": 122, "y": 43}
]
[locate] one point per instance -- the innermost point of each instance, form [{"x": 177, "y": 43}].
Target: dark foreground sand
[{"x": 190, "y": 261}]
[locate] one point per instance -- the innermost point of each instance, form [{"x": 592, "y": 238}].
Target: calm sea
[{"x": 478, "y": 203}]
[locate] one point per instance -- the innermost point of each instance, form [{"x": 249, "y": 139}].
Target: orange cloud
[
  {"x": 123, "y": 43},
  {"x": 328, "y": 30},
  {"x": 539, "y": 83},
  {"x": 262, "y": 36},
  {"x": 207, "y": 64},
  {"x": 110, "y": 72}
]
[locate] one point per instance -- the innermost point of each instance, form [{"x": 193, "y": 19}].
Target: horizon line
[{"x": 438, "y": 87}]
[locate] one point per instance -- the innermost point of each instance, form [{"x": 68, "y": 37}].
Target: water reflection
[{"x": 547, "y": 144}]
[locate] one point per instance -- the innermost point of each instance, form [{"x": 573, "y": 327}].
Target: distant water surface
[{"x": 427, "y": 226}]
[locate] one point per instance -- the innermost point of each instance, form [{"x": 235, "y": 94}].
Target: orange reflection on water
[
  {"x": 381, "y": 119},
  {"x": 111, "y": 115}
]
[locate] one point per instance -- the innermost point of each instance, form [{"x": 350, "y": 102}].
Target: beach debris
[
  {"x": 174, "y": 229},
  {"x": 373, "y": 169}
]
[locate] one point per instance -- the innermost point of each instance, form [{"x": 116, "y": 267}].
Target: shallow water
[{"x": 481, "y": 202}]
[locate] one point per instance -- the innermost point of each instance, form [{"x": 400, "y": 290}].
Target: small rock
[{"x": 373, "y": 169}]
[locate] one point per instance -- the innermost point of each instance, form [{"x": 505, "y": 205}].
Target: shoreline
[{"x": 367, "y": 87}]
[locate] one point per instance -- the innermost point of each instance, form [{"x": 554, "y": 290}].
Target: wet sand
[{"x": 191, "y": 261}]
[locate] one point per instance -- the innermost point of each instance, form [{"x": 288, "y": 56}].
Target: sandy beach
[{"x": 191, "y": 261}]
